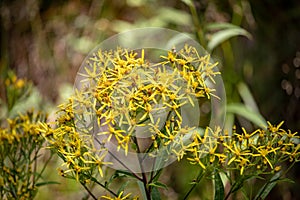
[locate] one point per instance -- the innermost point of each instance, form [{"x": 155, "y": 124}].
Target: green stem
[
  {"x": 144, "y": 177},
  {"x": 197, "y": 181},
  {"x": 102, "y": 185},
  {"x": 111, "y": 154},
  {"x": 88, "y": 190},
  {"x": 44, "y": 167},
  {"x": 197, "y": 23}
]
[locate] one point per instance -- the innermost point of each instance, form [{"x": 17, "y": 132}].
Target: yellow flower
[
  {"x": 120, "y": 197},
  {"x": 238, "y": 153},
  {"x": 264, "y": 152},
  {"x": 273, "y": 128}
]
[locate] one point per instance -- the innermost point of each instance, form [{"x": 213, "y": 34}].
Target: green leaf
[
  {"x": 158, "y": 184},
  {"x": 229, "y": 122},
  {"x": 157, "y": 175},
  {"x": 219, "y": 187},
  {"x": 174, "y": 16},
  {"x": 227, "y": 31},
  {"x": 218, "y": 26},
  {"x": 46, "y": 183},
  {"x": 188, "y": 3},
  {"x": 240, "y": 183},
  {"x": 121, "y": 173},
  {"x": 247, "y": 97},
  {"x": 244, "y": 111},
  {"x": 118, "y": 174},
  {"x": 123, "y": 186},
  {"x": 142, "y": 189},
  {"x": 155, "y": 195},
  {"x": 266, "y": 189}
]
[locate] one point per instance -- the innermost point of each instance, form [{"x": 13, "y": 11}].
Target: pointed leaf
[
  {"x": 218, "y": 26},
  {"x": 225, "y": 34},
  {"x": 123, "y": 186},
  {"x": 266, "y": 189},
  {"x": 242, "y": 110},
  {"x": 46, "y": 183},
  {"x": 247, "y": 96},
  {"x": 188, "y": 3},
  {"x": 219, "y": 187},
  {"x": 155, "y": 195},
  {"x": 124, "y": 173},
  {"x": 142, "y": 189},
  {"x": 158, "y": 184}
]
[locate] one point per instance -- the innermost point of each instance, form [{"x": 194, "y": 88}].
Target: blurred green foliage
[{"x": 46, "y": 41}]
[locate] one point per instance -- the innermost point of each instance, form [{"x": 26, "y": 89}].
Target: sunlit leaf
[
  {"x": 227, "y": 31},
  {"x": 218, "y": 26},
  {"x": 247, "y": 96},
  {"x": 188, "y": 2},
  {"x": 174, "y": 16},
  {"x": 244, "y": 111}
]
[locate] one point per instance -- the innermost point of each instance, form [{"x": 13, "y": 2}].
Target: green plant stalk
[
  {"x": 197, "y": 23},
  {"x": 195, "y": 183},
  {"x": 88, "y": 190},
  {"x": 103, "y": 186},
  {"x": 144, "y": 177},
  {"x": 134, "y": 174},
  {"x": 272, "y": 180}
]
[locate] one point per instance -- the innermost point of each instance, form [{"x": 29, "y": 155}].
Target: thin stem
[
  {"x": 197, "y": 23},
  {"x": 232, "y": 186},
  {"x": 88, "y": 190},
  {"x": 197, "y": 181},
  {"x": 110, "y": 153},
  {"x": 110, "y": 191},
  {"x": 154, "y": 176},
  {"x": 44, "y": 167},
  {"x": 144, "y": 177},
  {"x": 228, "y": 194}
]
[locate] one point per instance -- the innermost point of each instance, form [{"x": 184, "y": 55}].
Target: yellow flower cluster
[
  {"x": 131, "y": 96},
  {"x": 20, "y": 145},
  {"x": 16, "y": 89},
  {"x": 123, "y": 97},
  {"x": 261, "y": 151},
  {"x": 80, "y": 157}
]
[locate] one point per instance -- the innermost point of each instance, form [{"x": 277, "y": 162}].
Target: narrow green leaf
[
  {"x": 188, "y": 3},
  {"x": 229, "y": 122},
  {"x": 225, "y": 34},
  {"x": 123, "y": 186},
  {"x": 242, "y": 110},
  {"x": 155, "y": 195},
  {"x": 247, "y": 96},
  {"x": 158, "y": 184},
  {"x": 218, "y": 26},
  {"x": 266, "y": 189},
  {"x": 219, "y": 187},
  {"x": 240, "y": 182},
  {"x": 142, "y": 189},
  {"x": 174, "y": 16},
  {"x": 46, "y": 183},
  {"x": 157, "y": 175},
  {"x": 119, "y": 173}
]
